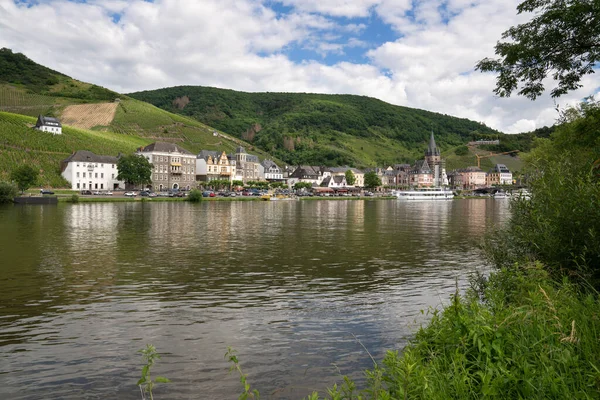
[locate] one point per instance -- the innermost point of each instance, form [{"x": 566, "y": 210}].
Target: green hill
[
  {"x": 28, "y": 88},
  {"x": 303, "y": 128},
  {"x": 21, "y": 144},
  {"x": 18, "y": 70}
]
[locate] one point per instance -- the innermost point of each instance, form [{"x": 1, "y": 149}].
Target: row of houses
[
  {"x": 176, "y": 168},
  {"x": 173, "y": 168}
]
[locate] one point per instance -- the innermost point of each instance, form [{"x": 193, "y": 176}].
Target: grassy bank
[{"x": 518, "y": 335}]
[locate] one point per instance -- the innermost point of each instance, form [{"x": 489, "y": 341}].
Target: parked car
[
  {"x": 46, "y": 191},
  {"x": 129, "y": 194},
  {"x": 163, "y": 194},
  {"x": 152, "y": 194},
  {"x": 143, "y": 193},
  {"x": 206, "y": 193},
  {"x": 97, "y": 193},
  {"x": 86, "y": 192},
  {"x": 108, "y": 193}
]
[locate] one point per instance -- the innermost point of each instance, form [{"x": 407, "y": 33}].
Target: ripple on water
[{"x": 297, "y": 288}]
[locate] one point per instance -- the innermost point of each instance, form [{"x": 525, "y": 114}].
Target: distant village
[{"x": 177, "y": 168}]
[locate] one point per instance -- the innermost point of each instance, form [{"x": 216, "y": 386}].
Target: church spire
[{"x": 432, "y": 150}]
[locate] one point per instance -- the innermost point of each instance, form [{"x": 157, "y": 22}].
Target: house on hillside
[{"x": 49, "y": 124}]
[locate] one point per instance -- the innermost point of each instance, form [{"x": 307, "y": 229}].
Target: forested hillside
[
  {"x": 303, "y": 128},
  {"x": 18, "y": 70}
]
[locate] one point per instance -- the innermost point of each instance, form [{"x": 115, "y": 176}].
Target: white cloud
[{"x": 243, "y": 45}]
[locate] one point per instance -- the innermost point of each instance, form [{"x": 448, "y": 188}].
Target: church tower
[{"x": 437, "y": 165}]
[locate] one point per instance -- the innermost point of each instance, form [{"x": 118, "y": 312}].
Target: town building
[
  {"x": 499, "y": 175},
  {"x": 210, "y": 166},
  {"x": 85, "y": 170},
  {"x": 421, "y": 175},
  {"x": 49, "y": 124},
  {"x": 247, "y": 166},
  {"x": 359, "y": 176},
  {"x": 271, "y": 172},
  {"x": 335, "y": 181},
  {"x": 174, "y": 166},
  {"x": 306, "y": 173},
  {"x": 473, "y": 177}
]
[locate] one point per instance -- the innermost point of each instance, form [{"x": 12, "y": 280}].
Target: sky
[{"x": 414, "y": 53}]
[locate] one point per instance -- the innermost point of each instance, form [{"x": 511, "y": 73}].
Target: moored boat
[{"x": 437, "y": 193}]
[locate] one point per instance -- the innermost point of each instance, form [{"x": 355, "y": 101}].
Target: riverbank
[{"x": 518, "y": 334}]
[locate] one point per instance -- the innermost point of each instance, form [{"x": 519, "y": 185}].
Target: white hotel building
[{"x": 87, "y": 171}]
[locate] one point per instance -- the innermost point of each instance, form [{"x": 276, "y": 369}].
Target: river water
[{"x": 296, "y": 287}]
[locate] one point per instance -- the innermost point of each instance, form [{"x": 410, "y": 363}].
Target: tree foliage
[
  {"x": 560, "y": 224},
  {"x": 24, "y": 176},
  {"x": 134, "y": 170},
  {"x": 302, "y": 185},
  {"x": 562, "y": 40},
  {"x": 372, "y": 181},
  {"x": 8, "y": 191},
  {"x": 350, "y": 178}
]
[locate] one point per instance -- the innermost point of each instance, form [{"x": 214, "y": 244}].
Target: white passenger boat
[
  {"x": 501, "y": 195},
  {"x": 424, "y": 194}
]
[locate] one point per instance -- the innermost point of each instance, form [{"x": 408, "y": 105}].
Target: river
[{"x": 296, "y": 287}]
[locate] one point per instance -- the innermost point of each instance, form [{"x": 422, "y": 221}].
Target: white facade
[
  {"x": 55, "y": 130},
  {"x": 86, "y": 171},
  {"x": 49, "y": 124}
]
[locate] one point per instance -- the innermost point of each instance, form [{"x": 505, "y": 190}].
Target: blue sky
[{"x": 413, "y": 53}]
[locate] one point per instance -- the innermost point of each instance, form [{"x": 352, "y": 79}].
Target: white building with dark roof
[
  {"x": 272, "y": 172},
  {"x": 173, "y": 166},
  {"x": 88, "y": 171},
  {"x": 49, "y": 124}
]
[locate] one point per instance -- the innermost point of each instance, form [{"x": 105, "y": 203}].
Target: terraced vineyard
[
  {"x": 20, "y": 102},
  {"x": 21, "y": 144},
  {"x": 88, "y": 116},
  {"x": 134, "y": 117}
]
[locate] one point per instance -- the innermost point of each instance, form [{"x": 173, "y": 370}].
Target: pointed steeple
[{"x": 432, "y": 150}]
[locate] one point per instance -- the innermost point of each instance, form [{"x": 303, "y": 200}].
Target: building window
[
  {"x": 113, "y": 176},
  {"x": 96, "y": 186},
  {"x": 78, "y": 186},
  {"x": 102, "y": 186},
  {"x": 84, "y": 174},
  {"x": 102, "y": 175},
  {"x": 96, "y": 175},
  {"x": 84, "y": 185},
  {"x": 78, "y": 174}
]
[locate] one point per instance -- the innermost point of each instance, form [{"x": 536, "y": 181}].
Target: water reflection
[{"x": 288, "y": 284}]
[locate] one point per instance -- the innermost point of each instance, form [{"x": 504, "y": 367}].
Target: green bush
[
  {"x": 461, "y": 151},
  {"x": 74, "y": 199},
  {"x": 195, "y": 196},
  {"x": 8, "y": 192},
  {"x": 559, "y": 224}
]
